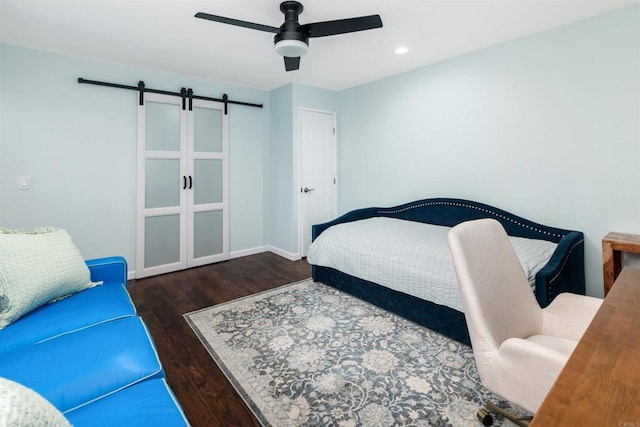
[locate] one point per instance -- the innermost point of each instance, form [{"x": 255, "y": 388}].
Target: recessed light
[{"x": 401, "y": 50}]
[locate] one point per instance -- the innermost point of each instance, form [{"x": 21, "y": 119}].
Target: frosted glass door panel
[
  {"x": 162, "y": 126},
  {"x": 162, "y": 183},
  {"x": 207, "y": 134},
  {"x": 207, "y": 181},
  {"x": 161, "y": 240},
  {"x": 207, "y": 233}
]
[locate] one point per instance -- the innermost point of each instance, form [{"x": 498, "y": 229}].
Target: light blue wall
[
  {"x": 284, "y": 176},
  {"x": 78, "y": 145},
  {"x": 281, "y": 213},
  {"x": 547, "y": 127},
  {"x": 314, "y": 97}
]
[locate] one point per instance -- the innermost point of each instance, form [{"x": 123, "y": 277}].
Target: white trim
[
  {"x": 131, "y": 275},
  {"x": 171, "y": 210},
  {"x": 246, "y": 252},
  {"x": 284, "y": 254},
  {"x": 317, "y": 110}
]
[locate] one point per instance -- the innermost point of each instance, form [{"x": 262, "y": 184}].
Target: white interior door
[
  {"x": 182, "y": 205},
  {"x": 318, "y": 171}
]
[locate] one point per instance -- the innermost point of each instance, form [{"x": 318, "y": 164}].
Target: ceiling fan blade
[
  {"x": 342, "y": 26},
  {"x": 291, "y": 63},
  {"x": 237, "y": 22}
]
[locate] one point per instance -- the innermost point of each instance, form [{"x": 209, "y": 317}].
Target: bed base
[{"x": 438, "y": 318}]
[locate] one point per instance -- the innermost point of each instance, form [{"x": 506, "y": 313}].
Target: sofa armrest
[{"x": 108, "y": 269}]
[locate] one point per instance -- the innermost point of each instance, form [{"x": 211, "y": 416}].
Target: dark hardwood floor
[{"x": 206, "y": 396}]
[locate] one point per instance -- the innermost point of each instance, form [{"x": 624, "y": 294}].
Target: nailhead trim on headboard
[
  {"x": 566, "y": 258},
  {"x": 468, "y": 206}
]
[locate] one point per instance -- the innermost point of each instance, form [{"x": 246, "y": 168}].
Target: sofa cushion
[
  {"x": 73, "y": 369},
  {"x": 22, "y": 407},
  {"x": 84, "y": 309},
  {"x": 36, "y": 268},
  {"x": 149, "y": 403}
]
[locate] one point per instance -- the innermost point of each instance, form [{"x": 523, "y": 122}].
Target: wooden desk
[
  {"x": 600, "y": 384},
  {"x": 613, "y": 244}
]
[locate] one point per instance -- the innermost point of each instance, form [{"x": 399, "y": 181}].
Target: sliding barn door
[
  {"x": 182, "y": 206},
  {"x": 208, "y": 195}
]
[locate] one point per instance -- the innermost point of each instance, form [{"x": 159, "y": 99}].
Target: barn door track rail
[{"x": 187, "y": 95}]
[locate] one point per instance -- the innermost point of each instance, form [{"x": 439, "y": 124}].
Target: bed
[{"x": 360, "y": 241}]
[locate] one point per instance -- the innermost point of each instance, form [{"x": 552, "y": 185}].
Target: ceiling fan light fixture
[
  {"x": 291, "y": 39},
  {"x": 291, "y": 48}
]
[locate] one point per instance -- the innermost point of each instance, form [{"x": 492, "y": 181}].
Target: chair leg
[{"x": 484, "y": 415}]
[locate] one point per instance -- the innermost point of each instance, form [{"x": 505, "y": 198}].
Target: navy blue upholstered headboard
[{"x": 450, "y": 212}]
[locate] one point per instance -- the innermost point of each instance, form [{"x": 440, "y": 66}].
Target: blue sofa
[{"x": 92, "y": 357}]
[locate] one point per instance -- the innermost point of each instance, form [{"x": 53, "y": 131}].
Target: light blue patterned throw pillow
[
  {"x": 36, "y": 268},
  {"x": 21, "y": 406}
]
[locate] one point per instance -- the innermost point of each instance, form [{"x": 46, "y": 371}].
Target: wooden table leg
[{"x": 611, "y": 265}]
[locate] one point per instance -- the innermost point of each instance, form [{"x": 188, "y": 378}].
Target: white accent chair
[{"x": 519, "y": 347}]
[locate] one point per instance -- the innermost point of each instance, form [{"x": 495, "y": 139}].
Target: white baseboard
[
  {"x": 247, "y": 252},
  {"x": 131, "y": 275},
  {"x": 288, "y": 255}
]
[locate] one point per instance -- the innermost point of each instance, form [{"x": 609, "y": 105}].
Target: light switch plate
[{"x": 24, "y": 183}]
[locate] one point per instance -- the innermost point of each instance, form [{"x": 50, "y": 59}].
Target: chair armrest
[
  {"x": 530, "y": 356},
  {"x": 569, "y": 315},
  {"x": 108, "y": 269}
]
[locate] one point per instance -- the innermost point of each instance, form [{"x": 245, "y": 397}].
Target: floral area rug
[{"x": 308, "y": 354}]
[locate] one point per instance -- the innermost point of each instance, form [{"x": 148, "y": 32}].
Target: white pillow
[
  {"x": 36, "y": 268},
  {"x": 20, "y": 406}
]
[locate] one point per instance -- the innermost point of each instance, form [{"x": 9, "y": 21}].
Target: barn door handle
[{"x": 308, "y": 190}]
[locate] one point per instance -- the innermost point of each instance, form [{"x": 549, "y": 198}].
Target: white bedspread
[{"x": 408, "y": 256}]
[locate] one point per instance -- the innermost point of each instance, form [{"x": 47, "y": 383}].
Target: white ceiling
[{"x": 163, "y": 34}]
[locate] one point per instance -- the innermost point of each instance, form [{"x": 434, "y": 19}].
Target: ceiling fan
[{"x": 292, "y": 39}]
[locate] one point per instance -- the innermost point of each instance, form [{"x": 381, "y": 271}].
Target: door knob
[{"x": 308, "y": 190}]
